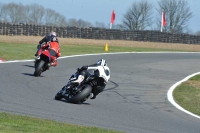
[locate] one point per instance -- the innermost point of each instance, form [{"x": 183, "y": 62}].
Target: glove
[
  {"x": 38, "y": 46},
  {"x": 58, "y": 55},
  {"x": 82, "y": 68}
]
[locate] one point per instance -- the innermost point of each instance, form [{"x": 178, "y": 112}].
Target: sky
[{"x": 100, "y": 10}]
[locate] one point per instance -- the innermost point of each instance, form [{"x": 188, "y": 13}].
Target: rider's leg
[
  {"x": 38, "y": 48},
  {"x": 80, "y": 77}
]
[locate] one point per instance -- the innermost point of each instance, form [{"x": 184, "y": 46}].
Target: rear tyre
[
  {"x": 39, "y": 68},
  {"x": 82, "y": 95}
]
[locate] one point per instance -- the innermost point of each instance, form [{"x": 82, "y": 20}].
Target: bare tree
[
  {"x": 49, "y": 17},
  {"x": 138, "y": 16},
  {"x": 119, "y": 27},
  {"x": 79, "y": 23},
  {"x": 14, "y": 12},
  {"x": 35, "y": 14},
  {"x": 61, "y": 21},
  {"x": 72, "y": 22},
  {"x": 52, "y": 18},
  {"x": 197, "y": 33},
  {"x": 177, "y": 15},
  {"x": 2, "y": 13},
  {"x": 100, "y": 25},
  {"x": 83, "y": 23}
]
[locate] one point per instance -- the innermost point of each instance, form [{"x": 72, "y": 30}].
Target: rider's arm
[
  {"x": 92, "y": 67},
  {"x": 45, "y": 45},
  {"x": 58, "y": 53},
  {"x": 43, "y": 40}
]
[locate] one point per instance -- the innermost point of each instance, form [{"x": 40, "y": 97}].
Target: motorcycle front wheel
[
  {"x": 39, "y": 68},
  {"x": 59, "y": 95}
]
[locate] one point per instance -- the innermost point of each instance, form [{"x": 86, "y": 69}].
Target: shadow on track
[
  {"x": 28, "y": 74},
  {"x": 116, "y": 85},
  {"x": 66, "y": 101},
  {"x": 29, "y": 66}
]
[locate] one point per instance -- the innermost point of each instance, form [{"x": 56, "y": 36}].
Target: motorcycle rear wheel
[{"x": 82, "y": 95}]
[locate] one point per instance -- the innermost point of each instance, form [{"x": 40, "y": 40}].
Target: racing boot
[
  {"x": 37, "y": 52},
  {"x": 54, "y": 63},
  {"x": 38, "y": 48},
  {"x": 92, "y": 96}
]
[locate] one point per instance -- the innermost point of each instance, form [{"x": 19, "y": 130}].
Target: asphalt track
[{"x": 134, "y": 101}]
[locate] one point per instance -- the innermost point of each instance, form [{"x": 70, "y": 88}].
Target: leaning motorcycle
[
  {"x": 79, "y": 93},
  {"x": 42, "y": 61}
]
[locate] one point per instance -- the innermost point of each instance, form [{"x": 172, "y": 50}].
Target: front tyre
[
  {"x": 82, "y": 95},
  {"x": 58, "y": 96},
  {"x": 39, "y": 68}
]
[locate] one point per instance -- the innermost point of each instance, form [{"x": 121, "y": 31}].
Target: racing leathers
[
  {"x": 95, "y": 69},
  {"x": 53, "y": 48}
]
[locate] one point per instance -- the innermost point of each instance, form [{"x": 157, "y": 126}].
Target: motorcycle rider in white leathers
[{"x": 101, "y": 69}]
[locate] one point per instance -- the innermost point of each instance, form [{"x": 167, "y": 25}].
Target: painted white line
[
  {"x": 2, "y": 60},
  {"x": 171, "y": 99},
  {"x": 68, "y": 56},
  {"x": 98, "y": 54}
]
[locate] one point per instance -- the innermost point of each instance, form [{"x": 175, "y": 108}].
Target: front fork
[{"x": 68, "y": 92}]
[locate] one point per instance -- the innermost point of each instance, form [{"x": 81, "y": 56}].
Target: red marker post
[
  {"x": 163, "y": 21},
  {"x": 112, "y": 19}
]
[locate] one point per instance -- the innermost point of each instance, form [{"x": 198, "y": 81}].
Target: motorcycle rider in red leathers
[{"x": 53, "y": 47}]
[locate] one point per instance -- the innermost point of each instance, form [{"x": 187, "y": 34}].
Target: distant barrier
[{"x": 97, "y": 33}]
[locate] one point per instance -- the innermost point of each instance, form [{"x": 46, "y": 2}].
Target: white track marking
[
  {"x": 97, "y": 54},
  {"x": 171, "y": 99}
]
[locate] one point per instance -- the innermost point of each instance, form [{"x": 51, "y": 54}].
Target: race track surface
[{"x": 134, "y": 101}]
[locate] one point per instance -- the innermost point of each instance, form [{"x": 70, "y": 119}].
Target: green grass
[
  {"x": 187, "y": 95},
  {"x": 195, "y": 78},
  {"x": 10, "y": 123},
  {"x": 17, "y": 51}
]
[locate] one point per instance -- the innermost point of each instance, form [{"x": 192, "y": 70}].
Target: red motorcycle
[{"x": 43, "y": 60}]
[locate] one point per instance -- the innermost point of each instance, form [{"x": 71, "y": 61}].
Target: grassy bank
[
  {"x": 10, "y": 123},
  {"x": 187, "y": 95},
  {"x": 18, "y": 51}
]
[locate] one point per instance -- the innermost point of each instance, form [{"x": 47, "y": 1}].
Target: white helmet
[
  {"x": 53, "y": 33},
  {"x": 101, "y": 62},
  {"x": 103, "y": 69}
]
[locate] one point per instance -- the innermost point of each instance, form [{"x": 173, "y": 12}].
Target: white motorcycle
[{"x": 79, "y": 93}]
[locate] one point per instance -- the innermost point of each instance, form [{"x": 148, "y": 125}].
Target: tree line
[{"x": 141, "y": 15}]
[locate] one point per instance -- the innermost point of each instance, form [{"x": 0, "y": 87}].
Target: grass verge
[
  {"x": 10, "y": 123},
  {"x": 187, "y": 95},
  {"x": 18, "y": 51}
]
